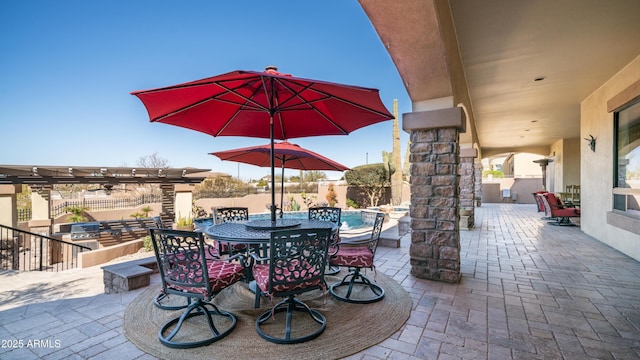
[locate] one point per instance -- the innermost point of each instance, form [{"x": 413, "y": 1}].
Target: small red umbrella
[
  {"x": 265, "y": 104},
  {"x": 286, "y": 155}
]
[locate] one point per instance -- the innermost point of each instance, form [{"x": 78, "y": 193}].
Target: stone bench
[{"x": 128, "y": 275}]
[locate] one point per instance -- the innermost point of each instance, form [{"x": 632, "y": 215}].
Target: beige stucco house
[{"x": 539, "y": 76}]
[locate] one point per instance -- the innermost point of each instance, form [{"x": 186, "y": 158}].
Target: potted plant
[{"x": 184, "y": 223}]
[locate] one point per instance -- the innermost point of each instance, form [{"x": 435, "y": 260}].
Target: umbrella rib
[
  {"x": 297, "y": 94},
  {"x": 326, "y": 96},
  {"x": 240, "y": 108}
]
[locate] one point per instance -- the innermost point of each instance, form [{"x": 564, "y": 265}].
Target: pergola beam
[{"x": 43, "y": 175}]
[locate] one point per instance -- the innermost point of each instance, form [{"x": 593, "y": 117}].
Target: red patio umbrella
[
  {"x": 286, "y": 155},
  {"x": 265, "y": 104}
]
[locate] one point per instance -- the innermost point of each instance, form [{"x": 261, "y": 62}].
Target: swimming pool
[{"x": 350, "y": 219}]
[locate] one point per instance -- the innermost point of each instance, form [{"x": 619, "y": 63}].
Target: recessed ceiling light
[{"x": 539, "y": 78}]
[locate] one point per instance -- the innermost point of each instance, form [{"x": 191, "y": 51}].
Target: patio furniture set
[
  {"x": 281, "y": 259},
  {"x": 555, "y": 210}
]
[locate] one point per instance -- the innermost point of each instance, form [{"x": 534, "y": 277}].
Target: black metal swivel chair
[
  {"x": 296, "y": 264},
  {"x": 187, "y": 270},
  {"x": 357, "y": 255},
  {"x": 328, "y": 213},
  {"x": 230, "y": 214},
  {"x": 162, "y": 301}
]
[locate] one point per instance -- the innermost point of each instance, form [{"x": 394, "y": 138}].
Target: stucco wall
[
  {"x": 555, "y": 168},
  {"x": 572, "y": 161},
  {"x": 521, "y": 190},
  {"x": 565, "y": 169},
  {"x": 597, "y": 167}
]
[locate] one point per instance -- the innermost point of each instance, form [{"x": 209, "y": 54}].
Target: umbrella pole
[
  {"x": 282, "y": 191},
  {"x": 273, "y": 174}
]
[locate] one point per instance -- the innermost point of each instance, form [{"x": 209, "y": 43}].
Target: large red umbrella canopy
[
  {"x": 266, "y": 105},
  {"x": 287, "y": 155}
]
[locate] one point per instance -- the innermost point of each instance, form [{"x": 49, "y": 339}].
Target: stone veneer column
[
  {"x": 467, "y": 186},
  {"x": 434, "y": 158},
  {"x": 167, "y": 214},
  {"x": 478, "y": 193}
]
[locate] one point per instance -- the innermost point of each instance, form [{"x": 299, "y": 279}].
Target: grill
[{"x": 89, "y": 230}]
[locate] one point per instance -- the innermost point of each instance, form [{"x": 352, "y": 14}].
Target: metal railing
[
  {"x": 106, "y": 204},
  {"x": 26, "y": 251}
]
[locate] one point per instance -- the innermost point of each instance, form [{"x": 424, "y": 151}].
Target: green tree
[
  {"x": 220, "y": 186},
  {"x": 313, "y": 175},
  {"x": 371, "y": 179}
]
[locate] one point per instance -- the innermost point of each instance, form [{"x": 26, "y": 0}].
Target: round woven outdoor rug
[{"x": 351, "y": 328}]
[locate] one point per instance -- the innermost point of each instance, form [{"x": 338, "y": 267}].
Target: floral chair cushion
[
  {"x": 360, "y": 256},
  {"x": 261, "y": 276},
  {"x": 221, "y": 275}
]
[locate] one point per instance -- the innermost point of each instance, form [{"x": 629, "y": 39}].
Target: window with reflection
[{"x": 626, "y": 195}]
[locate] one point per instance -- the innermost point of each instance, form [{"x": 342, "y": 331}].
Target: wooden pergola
[
  {"x": 50, "y": 175},
  {"x": 176, "y": 185}
]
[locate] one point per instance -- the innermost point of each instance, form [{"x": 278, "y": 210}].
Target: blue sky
[{"x": 67, "y": 68}]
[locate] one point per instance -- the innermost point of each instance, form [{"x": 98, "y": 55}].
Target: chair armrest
[{"x": 257, "y": 257}]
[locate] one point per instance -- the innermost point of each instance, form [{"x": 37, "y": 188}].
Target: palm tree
[
  {"x": 77, "y": 213},
  {"x": 146, "y": 210}
]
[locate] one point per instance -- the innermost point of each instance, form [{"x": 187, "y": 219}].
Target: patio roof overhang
[
  {"x": 521, "y": 68},
  {"x": 51, "y": 175}
]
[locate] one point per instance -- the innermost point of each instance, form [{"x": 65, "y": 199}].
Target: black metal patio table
[{"x": 258, "y": 232}]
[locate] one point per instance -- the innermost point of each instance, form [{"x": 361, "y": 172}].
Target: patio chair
[
  {"x": 230, "y": 214},
  {"x": 296, "y": 264},
  {"x": 327, "y": 213},
  {"x": 357, "y": 255},
  {"x": 162, "y": 300},
  {"x": 556, "y": 211},
  {"x": 538, "y": 200},
  {"x": 187, "y": 270},
  {"x": 573, "y": 195}
]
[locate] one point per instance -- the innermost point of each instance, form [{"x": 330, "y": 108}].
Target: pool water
[{"x": 351, "y": 219}]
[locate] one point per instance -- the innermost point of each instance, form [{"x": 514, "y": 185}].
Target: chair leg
[
  {"x": 355, "y": 278},
  {"x": 258, "y": 293},
  {"x": 196, "y": 308},
  {"x": 563, "y": 221},
  {"x": 158, "y": 301},
  {"x": 331, "y": 269},
  {"x": 289, "y": 305}
]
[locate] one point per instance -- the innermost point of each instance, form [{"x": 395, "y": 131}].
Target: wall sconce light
[{"x": 592, "y": 143}]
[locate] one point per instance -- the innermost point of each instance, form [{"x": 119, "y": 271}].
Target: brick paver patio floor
[{"x": 529, "y": 290}]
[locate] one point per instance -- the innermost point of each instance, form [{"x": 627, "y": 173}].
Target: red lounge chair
[
  {"x": 539, "y": 200},
  {"x": 555, "y": 210}
]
